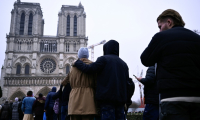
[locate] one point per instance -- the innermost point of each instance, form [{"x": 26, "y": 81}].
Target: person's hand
[{"x": 139, "y": 78}]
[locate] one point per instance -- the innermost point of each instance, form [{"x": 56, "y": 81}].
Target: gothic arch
[
  {"x": 18, "y": 94},
  {"x": 45, "y": 90},
  {"x": 67, "y": 61},
  {"x": 22, "y": 11},
  {"x": 18, "y": 61},
  {"x": 67, "y": 68},
  {"x": 29, "y": 11}
]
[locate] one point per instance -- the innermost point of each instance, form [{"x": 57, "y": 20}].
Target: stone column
[{"x": 13, "y": 22}]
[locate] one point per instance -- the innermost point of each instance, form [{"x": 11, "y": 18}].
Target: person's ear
[{"x": 170, "y": 23}]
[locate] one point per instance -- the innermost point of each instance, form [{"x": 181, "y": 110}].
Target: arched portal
[
  {"x": 45, "y": 90},
  {"x": 18, "y": 94}
]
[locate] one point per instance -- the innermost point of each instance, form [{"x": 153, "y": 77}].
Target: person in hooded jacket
[
  {"x": 38, "y": 107},
  {"x": 49, "y": 103},
  {"x": 15, "y": 114},
  {"x": 112, "y": 76},
  {"x": 5, "y": 111}
]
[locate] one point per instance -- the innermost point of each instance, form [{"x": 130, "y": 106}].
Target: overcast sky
[{"x": 131, "y": 22}]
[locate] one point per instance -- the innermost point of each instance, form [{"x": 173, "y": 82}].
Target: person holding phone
[{"x": 151, "y": 111}]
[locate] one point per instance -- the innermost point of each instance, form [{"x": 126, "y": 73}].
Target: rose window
[{"x": 48, "y": 65}]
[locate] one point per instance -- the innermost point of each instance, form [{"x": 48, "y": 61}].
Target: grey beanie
[{"x": 83, "y": 52}]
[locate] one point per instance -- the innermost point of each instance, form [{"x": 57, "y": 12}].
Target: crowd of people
[{"x": 102, "y": 90}]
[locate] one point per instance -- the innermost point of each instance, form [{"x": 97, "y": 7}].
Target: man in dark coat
[
  {"x": 5, "y": 111},
  {"x": 112, "y": 77},
  {"x": 151, "y": 95},
  {"x": 49, "y": 103},
  {"x": 175, "y": 49},
  {"x": 63, "y": 95},
  {"x": 38, "y": 107}
]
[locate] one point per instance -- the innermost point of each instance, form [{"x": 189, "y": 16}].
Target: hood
[
  {"x": 111, "y": 47},
  {"x": 41, "y": 99},
  {"x": 53, "y": 89}
]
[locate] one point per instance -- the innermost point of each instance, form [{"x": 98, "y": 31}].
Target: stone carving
[
  {"x": 15, "y": 56},
  {"x": 48, "y": 65},
  {"x": 71, "y": 60},
  {"x": 22, "y": 59},
  {"x": 30, "y": 56}
]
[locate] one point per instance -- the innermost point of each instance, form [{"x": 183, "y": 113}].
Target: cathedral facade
[{"x": 38, "y": 62}]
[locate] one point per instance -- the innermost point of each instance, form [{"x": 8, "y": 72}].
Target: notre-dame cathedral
[{"x": 38, "y": 62}]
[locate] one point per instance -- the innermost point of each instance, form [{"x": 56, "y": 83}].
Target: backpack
[{"x": 56, "y": 106}]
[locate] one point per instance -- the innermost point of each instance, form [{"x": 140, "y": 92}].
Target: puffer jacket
[
  {"x": 150, "y": 87},
  {"x": 15, "y": 114},
  {"x": 176, "y": 52},
  {"x": 112, "y": 74},
  {"x": 49, "y": 103}
]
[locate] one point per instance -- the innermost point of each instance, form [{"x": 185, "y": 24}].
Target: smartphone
[{"x": 134, "y": 76}]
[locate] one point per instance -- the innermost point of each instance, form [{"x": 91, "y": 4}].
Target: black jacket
[
  {"x": 177, "y": 54},
  {"x": 112, "y": 74},
  {"x": 38, "y": 106},
  {"x": 150, "y": 87},
  {"x": 63, "y": 95},
  {"x": 5, "y": 111}
]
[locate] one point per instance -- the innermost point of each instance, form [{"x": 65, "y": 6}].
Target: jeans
[
  {"x": 180, "y": 111},
  {"x": 112, "y": 112},
  {"x": 151, "y": 112},
  {"x": 64, "y": 112}
]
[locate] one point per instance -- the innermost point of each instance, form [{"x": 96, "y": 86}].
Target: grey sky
[{"x": 131, "y": 22}]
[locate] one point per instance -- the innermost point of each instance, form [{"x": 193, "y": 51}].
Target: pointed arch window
[
  {"x": 75, "y": 25},
  {"x": 67, "y": 69},
  {"x": 19, "y": 45},
  {"x": 67, "y": 47},
  {"x": 27, "y": 70},
  {"x": 18, "y": 71},
  {"x": 68, "y": 25},
  {"x": 22, "y": 21},
  {"x": 30, "y": 24}
]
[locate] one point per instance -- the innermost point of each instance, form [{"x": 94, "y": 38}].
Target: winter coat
[
  {"x": 21, "y": 115},
  {"x": 15, "y": 114},
  {"x": 112, "y": 74},
  {"x": 150, "y": 87},
  {"x": 81, "y": 100},
  {"x": 38, "y": 106},
  {"x": 176, "y": 52},
  {"x": 63, "y": 94},
  {"x": 49, "y": 103},
  {"x": 5, "y": 111},
  {"x": 27, "y": 104}
]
